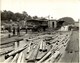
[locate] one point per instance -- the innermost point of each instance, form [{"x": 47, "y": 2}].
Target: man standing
[
  {"x": 13, "y": 30},
  {"x": 9, "y": 30},
  {"x": 18, "y": 30}
]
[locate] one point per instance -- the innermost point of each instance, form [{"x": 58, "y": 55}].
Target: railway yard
[{"x": 47, "y": 47}]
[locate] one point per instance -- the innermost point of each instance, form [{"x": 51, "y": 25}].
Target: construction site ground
[{"x": 70, "y": 55}]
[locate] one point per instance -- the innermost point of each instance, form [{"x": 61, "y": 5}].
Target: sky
[{"x": 53, "y": 8}]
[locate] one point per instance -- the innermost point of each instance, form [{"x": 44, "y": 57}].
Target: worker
[
  {"x": 18, "y": 30},
  {"x": 2, "y": 28},
  {"x": 13, "y": 31},
  {"x": 9, "y": 30}
]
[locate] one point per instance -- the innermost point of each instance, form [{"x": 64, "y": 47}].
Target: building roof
[
  {"x": 41, "y": 20},
  {"x": 36, "y": 20}
]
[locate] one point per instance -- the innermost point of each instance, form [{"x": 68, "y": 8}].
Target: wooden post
[
  {"x": 15, "y": 45},
  {"x": 41, "y": 45}
]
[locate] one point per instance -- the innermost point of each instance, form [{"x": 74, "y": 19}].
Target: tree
[
  {"x": 35, "y": 17},
  {"x": 4, "y": 15},
  {"x": 29, "y": 17},
  {"x": 67, "y": 20},
  {"x": 42, "y": 18},
  {"x": 10, "y": 15},
  {"x": 7, "y": 15},
  {"x": 25, "y": 15},
  {"x": 18, "y": 16}
]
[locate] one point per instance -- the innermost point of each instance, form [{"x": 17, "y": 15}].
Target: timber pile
[{"x": 42, "y": 50}]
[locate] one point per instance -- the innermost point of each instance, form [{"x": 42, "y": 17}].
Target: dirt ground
[{"x": 71, "y": 54}]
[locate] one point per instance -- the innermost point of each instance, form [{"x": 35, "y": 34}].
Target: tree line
[{"x": 9, "y": 15}]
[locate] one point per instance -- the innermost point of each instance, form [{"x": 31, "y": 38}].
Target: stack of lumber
[
  {"x": 37, "y": 50},
  {"x": 18, "y": 58},
  {"x": 43, "y": 46},
  {"x": 60, "y": 39},
  {"x": 33, "y": 54},
  {"x": 53, "y": 57}
]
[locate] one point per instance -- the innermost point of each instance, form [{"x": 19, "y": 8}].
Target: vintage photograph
[{"x": 39, "y": 31}]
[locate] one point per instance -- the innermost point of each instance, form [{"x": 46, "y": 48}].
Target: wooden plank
[
  {"x": 41, "y": 45},
  {"x": 54, "y": 40},
  {"x": 66, "y": 40},
  {"x": 29, "y": 48},
  {"x": 17, "y": 50},
  {"x": 34, "y": 53},
  {"x": 44, "y": 46},
  {"x": 20, "y": 57},
  {"x": 41, "y": 54},
  {"x": 15, "y": 58},
  {"x": 49, "y": 53},
  {"x": 30, "y": 53},
  {"x": 15, "y": 45},
  {"x": 53, "y": 57},
  {"x": 23, "y": 59}
]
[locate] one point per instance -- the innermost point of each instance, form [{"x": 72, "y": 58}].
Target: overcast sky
[{"x": 54, "y": 8}]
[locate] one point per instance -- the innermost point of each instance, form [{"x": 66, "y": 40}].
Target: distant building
[{"x": 38, "y": 24}]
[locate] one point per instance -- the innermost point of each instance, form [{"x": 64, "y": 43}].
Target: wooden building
[{"x": 42, "y": 25}]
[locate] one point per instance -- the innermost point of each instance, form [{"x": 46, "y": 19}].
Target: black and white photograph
[{"x": 39, "y": 31}]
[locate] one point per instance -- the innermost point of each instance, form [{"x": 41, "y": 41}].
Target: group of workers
[{"x": 14, "y": 30}]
